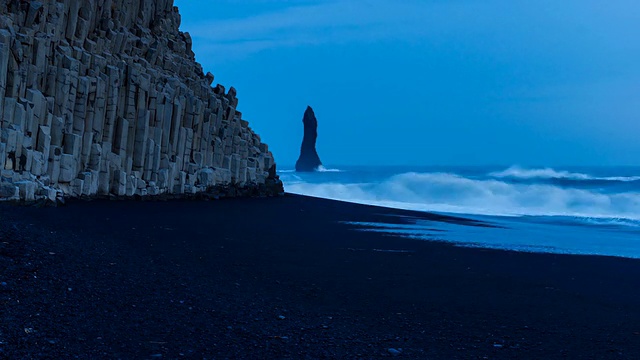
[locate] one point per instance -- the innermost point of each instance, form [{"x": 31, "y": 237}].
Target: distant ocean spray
[{"x": 552, "y": 210}]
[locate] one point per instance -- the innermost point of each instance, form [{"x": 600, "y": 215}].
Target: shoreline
[{"x": 284, "y": 277}]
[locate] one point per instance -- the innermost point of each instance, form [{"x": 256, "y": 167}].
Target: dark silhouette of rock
[
  {"x": 309, "y": 159},
  {"x": 273, "y": 183},
  {"x": 272, "y": 172}
]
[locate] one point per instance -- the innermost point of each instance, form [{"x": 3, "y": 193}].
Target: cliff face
[
  {"x": 309, "y": 159},
  {"x": 104, "y": 97}
]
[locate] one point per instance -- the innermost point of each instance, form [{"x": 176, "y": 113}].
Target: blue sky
[{"x": 432, "y": 82}]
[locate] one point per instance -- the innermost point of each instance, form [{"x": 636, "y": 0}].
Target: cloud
[
  {"x": 309, "y": 24},
  {"x": 573, "y": 36}
]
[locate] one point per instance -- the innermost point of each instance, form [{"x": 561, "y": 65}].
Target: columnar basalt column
[{"x": 105, "y": 98}]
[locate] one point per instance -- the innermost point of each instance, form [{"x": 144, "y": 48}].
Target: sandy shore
[{"x": 284, "y": 278}]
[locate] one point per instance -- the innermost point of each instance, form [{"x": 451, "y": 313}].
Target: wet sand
[{"x": 286, "y": 278}]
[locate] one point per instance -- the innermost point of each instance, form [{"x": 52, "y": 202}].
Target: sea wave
[
  {"x": 452, "y": 193},
  {"x": 517, "y": 172},
  {"x": 611, "y": 222},
  {"x": 321, "y": 168}
]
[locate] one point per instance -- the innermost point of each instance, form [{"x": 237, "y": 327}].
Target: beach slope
[{"x": 287, "y": 278}]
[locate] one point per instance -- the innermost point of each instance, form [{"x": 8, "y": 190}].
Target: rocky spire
[{"x": 309, "y": 159}]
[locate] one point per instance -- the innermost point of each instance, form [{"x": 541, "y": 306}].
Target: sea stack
[
  {"x": 309, "y": 160},
  {"x": 105, "y": 99}
]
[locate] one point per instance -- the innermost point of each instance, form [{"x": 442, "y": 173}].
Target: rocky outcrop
[
  {"x": 309, "y": 159},
  {"x": 104, "y": 97}
]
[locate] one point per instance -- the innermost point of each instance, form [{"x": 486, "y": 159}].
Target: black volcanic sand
[{"x": 284, "y": 278}]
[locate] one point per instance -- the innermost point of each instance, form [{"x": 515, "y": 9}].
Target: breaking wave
[
  {"x": 321, "y": 168},
  {"x": 491, "y": 195},
  {"x": 516, "y": 172}
]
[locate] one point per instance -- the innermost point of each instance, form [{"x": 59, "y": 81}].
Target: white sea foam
[
  {"x": 517, "y": 172},
  {"x": 445, "y": 192},
  {"x": 321, "y": 168},
  {"x": 545, "y": 173},
  {"x": 537, "y": 216},
  {"x": 617, "y": 222}
]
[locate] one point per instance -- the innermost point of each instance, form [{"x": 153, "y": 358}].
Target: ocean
[{"x": 574, "y": 210}]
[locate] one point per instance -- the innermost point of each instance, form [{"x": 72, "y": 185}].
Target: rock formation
[
  {"x": 104, "y": 97},
  {"x": 309, "y": 159}
]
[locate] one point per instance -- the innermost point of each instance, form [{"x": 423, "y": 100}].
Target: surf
[{"x": 482, "y": 193}]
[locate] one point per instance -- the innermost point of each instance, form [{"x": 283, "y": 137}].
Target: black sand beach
[{"x": 283, "y": 278}]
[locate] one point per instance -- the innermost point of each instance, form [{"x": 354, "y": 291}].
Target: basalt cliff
[
  {"x": 309, "y": 159},
  {"x": 105, "y": 98}
]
